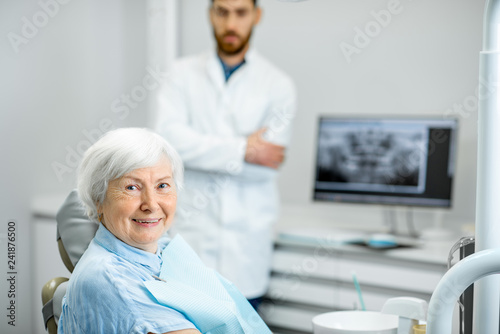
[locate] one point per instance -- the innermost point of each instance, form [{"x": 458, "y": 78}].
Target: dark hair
[{"x": 254, "y": 2}]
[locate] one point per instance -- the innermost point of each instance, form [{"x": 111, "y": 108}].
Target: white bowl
[{"x": 355, "y": 322}]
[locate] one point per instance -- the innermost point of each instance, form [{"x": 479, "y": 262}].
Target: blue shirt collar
[
  {"x": 107, "y": 240},
  {"x": 229, "y": 70}
]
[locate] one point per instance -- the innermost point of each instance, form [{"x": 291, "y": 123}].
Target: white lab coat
[{"x": 227, "y": 207}]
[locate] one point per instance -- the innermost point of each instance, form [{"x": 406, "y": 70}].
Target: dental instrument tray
[{"x": 339, "y": 237}]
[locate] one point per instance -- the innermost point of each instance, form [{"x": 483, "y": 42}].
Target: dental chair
[{"x": 74, "y": 233}]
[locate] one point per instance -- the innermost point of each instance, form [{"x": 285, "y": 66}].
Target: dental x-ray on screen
[{"x": 406, "y": 161}]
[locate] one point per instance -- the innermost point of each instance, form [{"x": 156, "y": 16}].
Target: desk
[
  {"x": 46, "y": 261},
  {"x": 315, "y": 276}
]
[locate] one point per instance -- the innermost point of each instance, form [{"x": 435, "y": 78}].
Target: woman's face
[{"x": 140, "y": 206}]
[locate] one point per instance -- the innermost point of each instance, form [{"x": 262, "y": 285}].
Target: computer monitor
[{"x": 393, "y": 161}]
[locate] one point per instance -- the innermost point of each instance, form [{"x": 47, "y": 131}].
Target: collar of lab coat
[{"x": 216, "y": 72}]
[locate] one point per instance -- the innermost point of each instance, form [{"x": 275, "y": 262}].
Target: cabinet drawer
[
  {"x": 383, "y": 272},
  {"x": 393, "y": 276},
  {"x": 286, "y": 317},
  {"x": 330, "y": 294},
  {"x": 303, "y": 291},
  {"x": 304, "y": 264}
]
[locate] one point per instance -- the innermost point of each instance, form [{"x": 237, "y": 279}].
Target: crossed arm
[{"x": 262, "y": 152}]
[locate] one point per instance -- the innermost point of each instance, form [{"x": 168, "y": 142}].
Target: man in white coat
[{"x": 228, "y": 113}]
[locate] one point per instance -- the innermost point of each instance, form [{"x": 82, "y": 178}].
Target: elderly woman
[{"x": 128, "y": 182}]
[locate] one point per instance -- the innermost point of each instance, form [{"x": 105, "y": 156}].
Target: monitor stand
[
  {"x": 434, "y": 233},
  {"x": 391, "y": 215},
  {"x": 437, "y": 232}
]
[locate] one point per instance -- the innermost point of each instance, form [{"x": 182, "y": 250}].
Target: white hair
[{"x": 117, "y": 153}]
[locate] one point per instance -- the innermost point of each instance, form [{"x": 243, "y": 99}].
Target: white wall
[
  {"x": 64, "y": 81},
  {"x": 61, "y": 80},
  {"x": 424, "y": 61},
  {"x": 67, "y": 76}
]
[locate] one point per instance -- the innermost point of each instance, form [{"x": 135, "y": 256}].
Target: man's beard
[{"x": 231, "y": 49}]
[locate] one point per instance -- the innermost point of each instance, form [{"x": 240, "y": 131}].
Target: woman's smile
[
  {"x": 139, "y": 207},
  {"x": 147, "y": 222}
]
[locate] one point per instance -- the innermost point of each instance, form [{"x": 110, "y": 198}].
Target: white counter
[{"x": 313, "y": 268}]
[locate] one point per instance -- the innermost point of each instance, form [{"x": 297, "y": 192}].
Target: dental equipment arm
[{"x": 454, "y": 283}]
